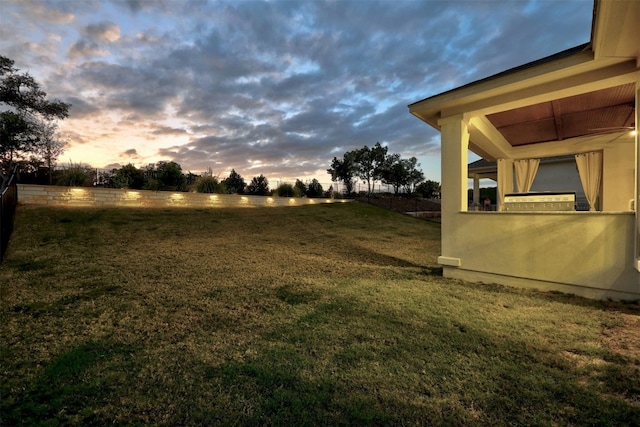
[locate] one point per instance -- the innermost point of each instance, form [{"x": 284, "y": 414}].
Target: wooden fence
[{"x": 8, "y": 202}]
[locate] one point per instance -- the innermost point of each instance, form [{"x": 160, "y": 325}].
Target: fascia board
[
  {"x": 429, "y": 109},
  {"x": 541, "y": 90}
]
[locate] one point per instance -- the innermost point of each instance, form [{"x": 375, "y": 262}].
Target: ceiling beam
[
  {"x": 557, "y": 116},
  {"x": 571, "y": 146},
  {"x": 486, "y": 137}
]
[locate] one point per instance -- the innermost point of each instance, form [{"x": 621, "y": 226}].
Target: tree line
[
  {"x": 29, "y": 136},
  {"x": 376, "y": 164},
  {"x": 169, "y": 176}
]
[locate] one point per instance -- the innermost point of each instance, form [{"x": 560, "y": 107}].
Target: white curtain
[
  {"x": 590, "y": 170},
  {"x": 505, "y": 180},
  {"x": 525, "y": 173}
]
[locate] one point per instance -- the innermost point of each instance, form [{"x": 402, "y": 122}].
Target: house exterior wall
[
  {"x": 636, "y": 191},
  {"x": 618, "y": 176},
  {"x": 584, "y": 253}
]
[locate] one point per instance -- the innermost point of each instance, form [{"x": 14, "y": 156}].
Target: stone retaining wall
[{"x": 108, "y": 197}]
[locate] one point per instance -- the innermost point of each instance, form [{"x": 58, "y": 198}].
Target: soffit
[
  {"x": 592, "y": 113},
  {"x": 616, "y": 28}
]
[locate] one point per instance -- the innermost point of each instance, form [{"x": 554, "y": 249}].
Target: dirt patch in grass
[{"x": 624, "y": 337}]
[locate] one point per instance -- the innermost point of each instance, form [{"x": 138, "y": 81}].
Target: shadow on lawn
[
  {"x": 71, "y": 387},
  {"x": 61, "y": 306},
  {"x": 339, "y": 363},
  {"x": 342, "y": 364}
]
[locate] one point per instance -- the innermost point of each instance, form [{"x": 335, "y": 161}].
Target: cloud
[
  {"x": 83, "y": 49},
  {"x": 48, "y": 13},
  {"x": 80, "y": 108},
  {"x": 166, "y": 130},
  {"x": 134, "y": 5},
  {"x": 75, "y": 138},
  {"x": 103, "y": 32},
  {"x": 273, "y": 87}
]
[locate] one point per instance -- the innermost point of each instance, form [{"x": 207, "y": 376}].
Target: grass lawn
[{"x": 315, "y": 315}]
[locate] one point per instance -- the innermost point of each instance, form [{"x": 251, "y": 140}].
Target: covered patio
[{"x": 581, "y": 102}]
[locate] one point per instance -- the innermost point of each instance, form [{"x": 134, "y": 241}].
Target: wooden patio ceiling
[{"x": 593, "y": 113}]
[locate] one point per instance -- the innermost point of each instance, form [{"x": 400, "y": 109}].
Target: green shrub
[
  {"x": 330, "y": 194},
  {"x": 76, "y": 175},
  {"x": 285, "y": 190},
  {"x": 129, "y": 177},
  {"x": 152, "y": 184},
  {"x": 300, "y": 189},
  {"x": 208, "y": 184}
]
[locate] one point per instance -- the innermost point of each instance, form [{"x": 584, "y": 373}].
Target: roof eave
[{"x": 429, "y": 108}]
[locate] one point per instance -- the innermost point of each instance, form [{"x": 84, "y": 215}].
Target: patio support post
[
  {"x": 476, "y": 192},
  {"x": 505, "y": 180},
  {"x": 454, "y": 155},
  {"x": 637, "y": 189}
]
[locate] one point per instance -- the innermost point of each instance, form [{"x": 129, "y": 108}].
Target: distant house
[{"x": 581, "y": 103}]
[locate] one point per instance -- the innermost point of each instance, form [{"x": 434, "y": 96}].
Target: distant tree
[
  {"x": 401, "y": 173},
  {"x": 234, "y": 183},
  {"x": 51, "y": 145},
  {"x": 314, "y": 189},
  {"x": 344, "y": 170},
  {"x": 370, "y": 163},
  {"x": 24, "y": 108},
  {"x": 300, "y": 189},
  {"x": 129, "y": 176},
  {"x": 429, "y": 189},
  {"x": 285, "y": 190},
  {"x": 414, "y": 174},
  {"x": 393, "y": 172},
  {"x": 170, "y": 176},
  {"x": 258, "y": 186}
]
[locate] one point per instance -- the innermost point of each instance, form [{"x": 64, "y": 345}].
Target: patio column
[
  {"x": 505, "y": 180},
  {"x": 454, "y": 154},
  {"x": 637, "y": 189},
  {"x": 454, "y": 135},
  {"x": 476, "y": 192}
]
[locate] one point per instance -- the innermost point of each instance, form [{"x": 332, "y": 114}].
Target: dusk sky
[{"x": 275, "y": 88}]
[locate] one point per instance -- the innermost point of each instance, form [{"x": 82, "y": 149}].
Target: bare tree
[{"x": 50, "y": 144}]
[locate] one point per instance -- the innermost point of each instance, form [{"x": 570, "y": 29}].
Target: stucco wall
[
  {"x": 67, "y": 196},
  {"x": 589, "y": 254},
  {"x": 618, "y": 176}
]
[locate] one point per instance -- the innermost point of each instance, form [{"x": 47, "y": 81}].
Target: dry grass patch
[{"x": 326, "y": 314}]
